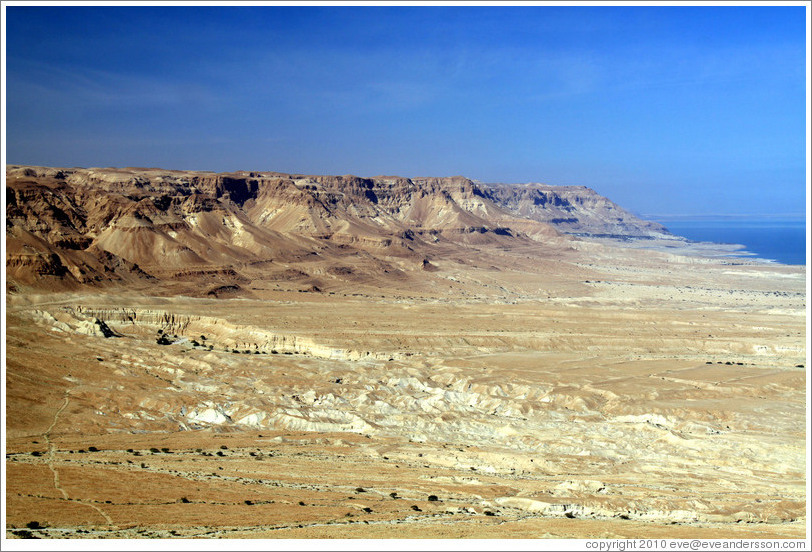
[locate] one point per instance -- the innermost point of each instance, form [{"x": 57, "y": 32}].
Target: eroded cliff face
[
  {"x": 71, "y": 227},
  {"x": 574, "y": 210}
]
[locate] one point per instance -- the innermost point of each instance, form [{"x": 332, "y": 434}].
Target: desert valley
[{"x": 271, "y": 355}]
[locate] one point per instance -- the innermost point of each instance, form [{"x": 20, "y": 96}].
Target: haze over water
[{"x": 782, "y": 241}]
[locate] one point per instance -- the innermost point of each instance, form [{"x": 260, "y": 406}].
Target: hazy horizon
[{"x": 685, "y": 110}]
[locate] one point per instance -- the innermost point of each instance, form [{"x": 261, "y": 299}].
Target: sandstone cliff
[{"x": 71, "y": 227}]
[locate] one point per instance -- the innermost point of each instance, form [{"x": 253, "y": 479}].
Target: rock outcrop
[{"x": 67, "y": 228}]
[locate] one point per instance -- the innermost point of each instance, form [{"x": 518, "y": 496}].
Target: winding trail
[{"x": 50, "y": 460}]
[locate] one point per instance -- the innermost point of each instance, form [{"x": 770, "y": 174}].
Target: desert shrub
[
  {"x": 185, "y": 500},
  {"x": 130, "y": 450},
  {"x": 163, "y": 341},
  {"x": 223, "y": 447},
  {"x": 368, "y": 510},
  {"x": 23, "y": 534},
  {"x": 360, "y": 490},
  {"x": 393, "y": 495},
  {"x": 489, "y": 513},
  {"x": 249, "y": 503},
  {"x": 33, "y": 525},
  {"x": 220, "y": 453},
  {"x": 92, "y": 449},
  {"x": 36, "y": 453},
  {"x": 415, "y": 508},
  {"x": 165, "y": 450},
  {"x": 433, "y": 498},
  {"x": 153, "y": 450},
  {"x": 301, "y": 503}
]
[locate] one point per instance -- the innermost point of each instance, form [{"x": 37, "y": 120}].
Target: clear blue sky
[{"x": 663, "y": 109}]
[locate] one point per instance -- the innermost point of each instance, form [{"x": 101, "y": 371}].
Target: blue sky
[{"x": 668, "y": 110}]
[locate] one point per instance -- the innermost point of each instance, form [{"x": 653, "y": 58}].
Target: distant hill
[{"x": 68, "y": 228}]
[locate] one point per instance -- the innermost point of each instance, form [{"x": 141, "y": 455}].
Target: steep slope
[
  {"x": 70, "y": 227},
  {"x": 574, "y": 210}
]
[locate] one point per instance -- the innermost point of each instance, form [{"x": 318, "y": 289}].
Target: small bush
[
  {"x": 433, "y": 498},
  {"x": 153, "y": 450},
  {"x": 165, "y": 450},
  {"x": 249, "y": 503},
  {"x": 34, "y": 525},
  {"x": 415, "y": 508},
  {"x": 223, "y": 447},
  {"x": 92, "y": 449},
  {"x": 360, "y": 490}
]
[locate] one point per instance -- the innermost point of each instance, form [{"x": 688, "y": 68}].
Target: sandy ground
[{"x": 616, "y": 393}]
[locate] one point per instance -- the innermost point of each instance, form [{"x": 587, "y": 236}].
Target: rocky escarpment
[
  {"x": 574, "y": 210},
  {"x": 73, "y": 227}
]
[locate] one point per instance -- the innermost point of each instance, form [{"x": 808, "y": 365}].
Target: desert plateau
[{"x": 272, "y": 355}]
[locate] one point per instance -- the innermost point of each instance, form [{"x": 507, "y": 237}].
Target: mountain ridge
[{"x": 69, "y": 227}]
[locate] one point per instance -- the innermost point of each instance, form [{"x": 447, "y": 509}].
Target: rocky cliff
[{"x": 72, "y": 227}]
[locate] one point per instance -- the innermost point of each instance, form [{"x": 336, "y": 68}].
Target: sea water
[{"x": 780, "y": 241}]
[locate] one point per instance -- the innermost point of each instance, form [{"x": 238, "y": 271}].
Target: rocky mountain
[
  {"x": 67, "y": 228},
  {"x": 575, "y": 210}
]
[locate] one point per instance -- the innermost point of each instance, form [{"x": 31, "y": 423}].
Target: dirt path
[{"x": 50, "y": 462}]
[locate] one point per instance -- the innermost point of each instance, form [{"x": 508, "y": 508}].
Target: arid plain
[{"x": 460, "y": 369}]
